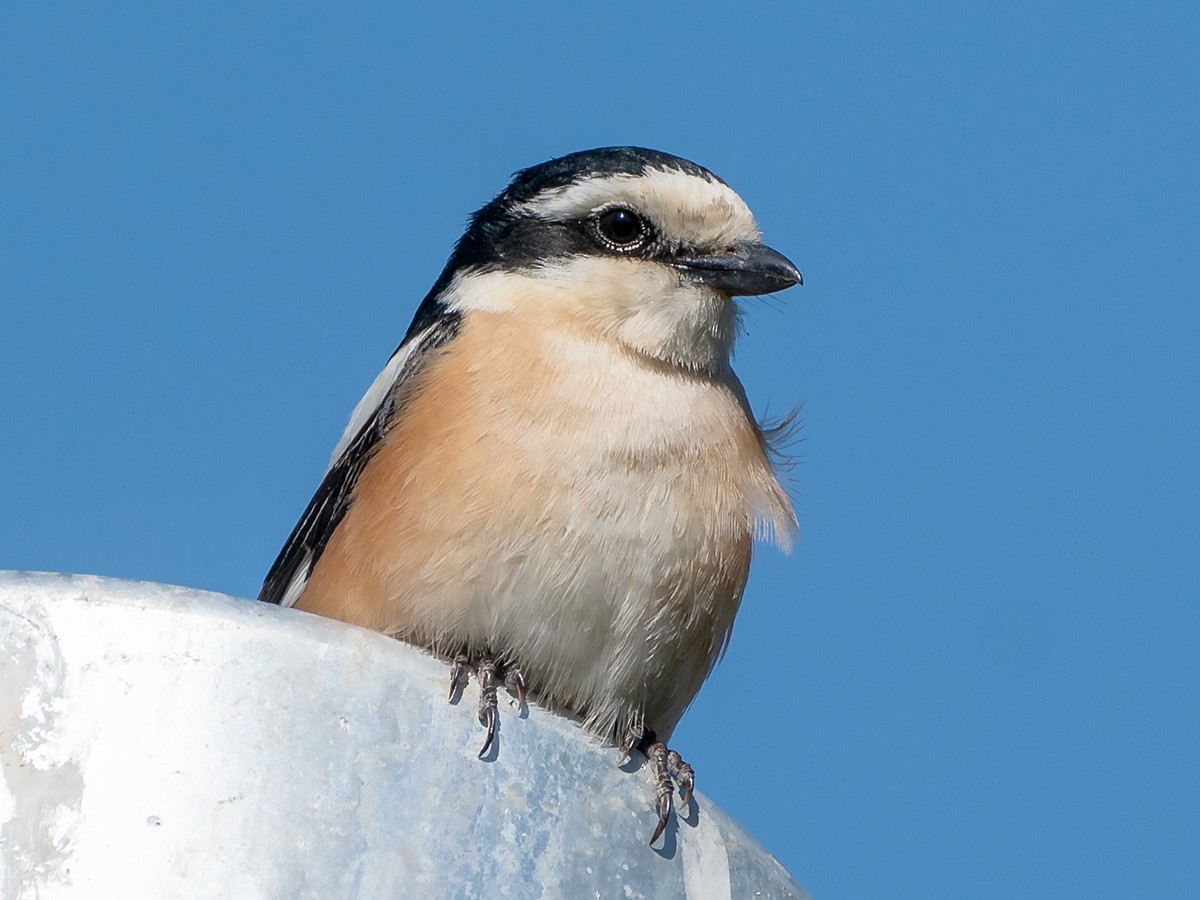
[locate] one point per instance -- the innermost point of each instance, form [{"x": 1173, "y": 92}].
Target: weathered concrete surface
[{"x": 163, "y": 742}]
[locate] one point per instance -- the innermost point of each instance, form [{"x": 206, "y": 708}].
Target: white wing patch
[
  {"x": 299, "y": 580},
  {"x": 379, "y": 389}
]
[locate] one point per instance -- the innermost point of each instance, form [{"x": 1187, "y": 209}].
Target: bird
[{"x": 556, "y": 480}]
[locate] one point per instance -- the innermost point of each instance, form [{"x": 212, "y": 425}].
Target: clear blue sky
[{"x": 979, "y": 673}]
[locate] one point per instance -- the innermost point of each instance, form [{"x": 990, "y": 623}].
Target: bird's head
[{"x": 633, "y": 245}]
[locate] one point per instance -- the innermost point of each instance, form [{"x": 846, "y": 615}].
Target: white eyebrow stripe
[
  {"x": 580, "y": 197},
  {"x": 687, "y": 207}
]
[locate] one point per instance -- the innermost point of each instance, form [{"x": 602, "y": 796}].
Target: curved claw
[
  {"x": 636, "y": 738},
  {"x": 685, "y": 777},
  {"x": 488, "y": 717},
  {"x": 627, "y": 748},
  {"x": 458, "y": 674},
  {"x": 514, "y": 683},
  {"x": 488, "y": 714},
  {"x": 663, "y": 804},
  {"x": 657, "y": 756}
]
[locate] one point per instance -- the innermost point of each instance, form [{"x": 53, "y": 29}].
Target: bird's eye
[{"x": 622, "y": 228}]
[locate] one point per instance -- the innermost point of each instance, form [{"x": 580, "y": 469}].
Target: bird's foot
[
  {"x": 514, "y": 683},
  {"x": 685, "y": 777},
  {"x": 458, "y": 674},
  {"x": 491, "y": 674},
  {"x": 668, "y": 769},
  {"x": 489, "y": 715}
]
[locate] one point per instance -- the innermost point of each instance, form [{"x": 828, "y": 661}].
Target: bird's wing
[{"x": 369, "y": 422}]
